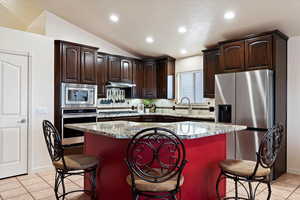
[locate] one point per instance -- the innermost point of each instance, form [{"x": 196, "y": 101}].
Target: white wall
[
  {"x": 189, "y": 64},
  {"x": 293, "y": 119},
  {"x": 60, "y": 29},
  {"x": 41, "y": 50}
]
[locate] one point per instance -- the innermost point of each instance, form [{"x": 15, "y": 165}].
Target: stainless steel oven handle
[{"x": 78, "y": 116}]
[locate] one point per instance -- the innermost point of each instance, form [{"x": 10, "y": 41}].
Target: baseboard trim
[
  {"x": 40, "y": 169},
  {"x": 293, "y": 171}
]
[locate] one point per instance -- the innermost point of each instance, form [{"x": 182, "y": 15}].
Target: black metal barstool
[
  {"x": 245, "y": 171},
  {"x": 155, "y": 158},
  {"x": 68, "y": 165}
]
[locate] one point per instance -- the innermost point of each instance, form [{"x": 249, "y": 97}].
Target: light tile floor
[{"x": 39, "y": 186}]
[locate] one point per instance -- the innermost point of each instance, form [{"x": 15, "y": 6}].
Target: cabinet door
[
  {"x": 162, "y": 81},
  {"x": 149, "y": 80},
  {"x": 70, "y": 63},
  {"x": 88, "y": 65},
  {"x": 258, "y": 53},
  {"x": 126, "y": 70},
  {"x": 102, "y": 66},
  {"x": 114, "y": 68},
  {"x": 138, "y": 79},
  {"x": 232, "y": 57},
  {"x": 210, "y": 66}
]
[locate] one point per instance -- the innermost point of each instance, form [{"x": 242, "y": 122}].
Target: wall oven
[
  {"x": 74, "y": 116},
  {"x": 78, "y": 95}
]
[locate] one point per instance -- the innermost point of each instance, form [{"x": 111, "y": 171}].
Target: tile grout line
[
  {"x": 293, "y": 192},
  {"x": 44, "y": 180},
  {"x": 21, "y": 185},
  {"x": 28, "y": 192}
]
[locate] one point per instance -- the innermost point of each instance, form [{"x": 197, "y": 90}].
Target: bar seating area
[{"x": 156, "y": 158}]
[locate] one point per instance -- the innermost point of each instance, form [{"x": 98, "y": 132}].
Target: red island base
[{"x": 200, "y": 173}]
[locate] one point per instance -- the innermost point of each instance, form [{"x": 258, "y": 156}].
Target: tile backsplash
[{"x": 164, "y": 105}]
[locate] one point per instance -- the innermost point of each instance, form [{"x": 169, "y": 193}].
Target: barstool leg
[
  {"x": 56, "y": 185},
  {"x": 251, "y": 191},
  {"x": 269, "y": 190},
  {"x": 236, "y": 187},
  {"x": 135, "y": 196},
  {"x": 93, "y": 181},
  {"x": 63, "y": 185}
]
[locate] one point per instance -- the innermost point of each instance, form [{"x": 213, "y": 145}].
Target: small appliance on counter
[{"x": 140, "y": 108}]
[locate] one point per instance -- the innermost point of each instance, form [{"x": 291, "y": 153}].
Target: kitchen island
[{"x": 205, "y": 145}]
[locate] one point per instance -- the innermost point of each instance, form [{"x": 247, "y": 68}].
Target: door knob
[{"x": 22, "y": 121}]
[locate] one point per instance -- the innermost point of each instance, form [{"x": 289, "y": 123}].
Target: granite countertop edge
[{"x": 88, "y": 128}]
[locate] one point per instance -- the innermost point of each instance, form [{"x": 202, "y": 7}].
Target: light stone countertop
[{"x": 126, "y": 129}]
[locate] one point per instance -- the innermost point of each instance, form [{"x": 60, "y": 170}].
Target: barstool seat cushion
[
  {"x": 146, "y": 186},
  {"x": 77, "y": 162},
  {"x": 243, "y": 168}
]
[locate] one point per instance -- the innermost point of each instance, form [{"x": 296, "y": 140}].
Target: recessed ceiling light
[
  {"x": 229, "y": 15},
  {"x": 182, "y": 29},
  {"x": 183, "y": 51},
  {"x": 149, "y": 39},
  {"x": 114, "y": 18}
]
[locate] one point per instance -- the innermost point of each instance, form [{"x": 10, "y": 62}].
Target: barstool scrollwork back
[
  {"x": 156, "y": 159},
  {"x": 69, "y": 165}
]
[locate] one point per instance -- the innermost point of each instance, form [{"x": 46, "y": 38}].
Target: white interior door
[{"x": 13, "y": 114}]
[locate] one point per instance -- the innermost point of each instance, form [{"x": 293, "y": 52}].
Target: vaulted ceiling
[{"x": 161, "y": 18}]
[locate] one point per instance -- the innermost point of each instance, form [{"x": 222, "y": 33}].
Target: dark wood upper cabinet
[
  {"x": 232, "y": 56},
  {"x": 102, "y": 73},
  {"x": 162, "y": 79},
  {"x": 126, "y": 70},
  {"x": 258, "y": 53},
  {"x": 210, "y": 68},
  {"x": 88, "y": 65},
  {"x": 166, "y": 78},
  {"x": 137, "y": 78},
  {"x": 114, "y": 68},
  {"x": 149, "y": 90},
  {"x": 70, "y": 63}
]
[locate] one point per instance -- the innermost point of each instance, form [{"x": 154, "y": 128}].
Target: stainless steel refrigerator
[{"x": 245, "y": 98}]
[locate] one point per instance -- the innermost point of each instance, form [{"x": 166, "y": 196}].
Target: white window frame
[{"x": 194, "y": 81}]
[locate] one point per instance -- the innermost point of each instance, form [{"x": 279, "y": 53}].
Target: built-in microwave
[{"x": 78, "y": 95}]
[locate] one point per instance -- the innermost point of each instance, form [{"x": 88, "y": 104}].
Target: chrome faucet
[{"x": 189, "y": 103}]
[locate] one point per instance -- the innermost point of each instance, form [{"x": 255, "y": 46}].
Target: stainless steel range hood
[{"x": 111, "y": 84}]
